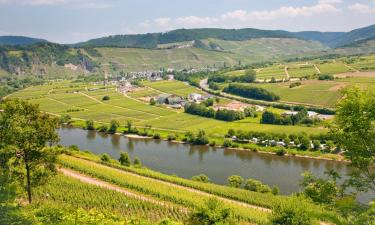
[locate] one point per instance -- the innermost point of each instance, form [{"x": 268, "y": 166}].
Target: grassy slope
[
  {"x": 180, "y": 195},
  {"x": 256, "y": 50},
  {"x": 268, "y": 48}
]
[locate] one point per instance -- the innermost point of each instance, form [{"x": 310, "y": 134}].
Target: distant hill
[
  {"x": 358, "y": 35},
  {"x": 326, "y": 38},
  {"x": 19, "y": 40},
  {"x": 182, "y": 35},
  {"x": 152, "y": 40}
]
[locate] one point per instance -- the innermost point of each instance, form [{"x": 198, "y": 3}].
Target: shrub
[
  {"x": 212, "y": 213},
  {"x": 74, "y": 148},
  {"x": 251, "y": 92},
  {"x": 105, "y": 98},
  {"x": 275, "y": 190},
  {"x": 296, "y": 84},
  {"x": 103, "y": 128},
  {"x": 171, "y": 137},
  {"x": 292, "y": 212},
  {"x": 156, "y": 136},
  {"x": 152, "y": 101},
  {"x": 257, "y": 186},
  {"x": 212, "y": 143},
  {"x": 326, "y": 77},
  {"x": 305, "y": 143},
  {"x": 137, "y": 162},
  {"x": 124, "y": 159},
  {"x": 280, "y": 152},
  {"x": 113, "y": 126},
  {"x": 90, "y": 125},
  {"x": 201, "y": 178},
  {"x": 105, "y": 157},
  {"x": 235, "y": 181},
  {"x": 227, "y": 143}
]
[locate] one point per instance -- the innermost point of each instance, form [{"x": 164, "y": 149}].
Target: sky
[{"x": 72, "y": 21}]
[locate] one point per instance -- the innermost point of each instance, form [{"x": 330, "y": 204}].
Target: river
[{"x": 186, "y": 160}]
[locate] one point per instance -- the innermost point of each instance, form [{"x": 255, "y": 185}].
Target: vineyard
[
  {"x": 66, "y": 192},
  {"x": 247, "y": 205}
]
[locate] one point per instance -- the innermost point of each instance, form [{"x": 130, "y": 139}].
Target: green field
[
  {"x": 333, "y": 68},
  {"x": 81, "y": 104},
  {"x": 301, "y": 70},
  {"x": 173, "y": 87},
  {"x": 266, "y": 48},
  {"x": 363, "y": 63},
  {"x": 276, "y": 71},
  {"x": 128, "y": 59}
]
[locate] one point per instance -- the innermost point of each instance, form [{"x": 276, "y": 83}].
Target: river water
[{"x": 186, "y": 160}]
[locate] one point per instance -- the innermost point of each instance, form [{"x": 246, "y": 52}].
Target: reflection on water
[{"x": 187, "y": 160}]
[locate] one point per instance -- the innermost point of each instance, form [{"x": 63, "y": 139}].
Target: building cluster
[
  {"x": 310, "y": 114},
  {"x": 274, "y": 143},
  {"x": 175, "y": 101}
]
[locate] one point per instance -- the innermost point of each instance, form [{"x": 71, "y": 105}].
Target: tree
[
  {"x": 137, "y": 162},
  {"x": 354, "y": 129},
  {"x": 305, "y": 143},
  {"x": 212, "y": 213},
  {"x": 124, "y": 159},
  {"x": 24, "y": 132},
  {"x": 105, "y": 157},
  {"x": 250, "y": 76},
  {"x": 201, "y": 178},
  {"x": 113, "y": 126},
  {"x": 152, "y": 101},
  {"x": 105, "y": 98},
  {"x": 65, "y": 119},
  {"x": 317, "y": 145},
  {"x": 235, "y": 181},
  {"x": 129, "y": 126},
  {"x": 201, "y": 138},
  {"x": 291, "y": 212},
  {"x": 90, "y": 125},
  {"x": 321, "y": 190},
  {"x": 257, "y": 186}
]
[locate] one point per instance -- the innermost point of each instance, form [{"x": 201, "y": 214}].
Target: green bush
[
  {"x": 292, "y": 212},
  {"x": 201, "y": 178},
  {"x": 105, "y": 157},
  {"x": 235, "y": 181},
  {"x": 105, "y": 98}
]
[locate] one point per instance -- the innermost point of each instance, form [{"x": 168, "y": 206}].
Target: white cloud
[
  {"x": 323, "y": 6},
  {"x": 361, "y": 8},
  {"x": 246, "y": 18},
  {"x": 163, "y": 21},
  {"x": 93, "y": 4}
]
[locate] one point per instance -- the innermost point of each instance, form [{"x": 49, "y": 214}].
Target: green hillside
[{"x": 19, "y": 40}]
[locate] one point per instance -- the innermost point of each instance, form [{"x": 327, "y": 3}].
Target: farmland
[
  {"x": 248, "y": 206},
  {"x": 82, "y": 104}
]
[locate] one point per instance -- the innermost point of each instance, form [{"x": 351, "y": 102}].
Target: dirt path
[
  {"x": 317, "y": 69},
  {"x": 287, "y": 72},
  {"x": 351, "y": 68},
  {"x": 103, "y": 184}
]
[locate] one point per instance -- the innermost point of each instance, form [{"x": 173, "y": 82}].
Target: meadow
[
  {"x": 276, "y": 71},
  {"x": 84, "y": 102}
]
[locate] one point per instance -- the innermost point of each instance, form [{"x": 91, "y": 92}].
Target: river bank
[{"x": 250, "y": 147}]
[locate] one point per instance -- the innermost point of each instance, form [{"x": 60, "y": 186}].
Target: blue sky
[{"x": 70, "y": 21}]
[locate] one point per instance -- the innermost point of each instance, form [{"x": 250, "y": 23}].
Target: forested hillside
[{"x": 19, "y": 40}]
